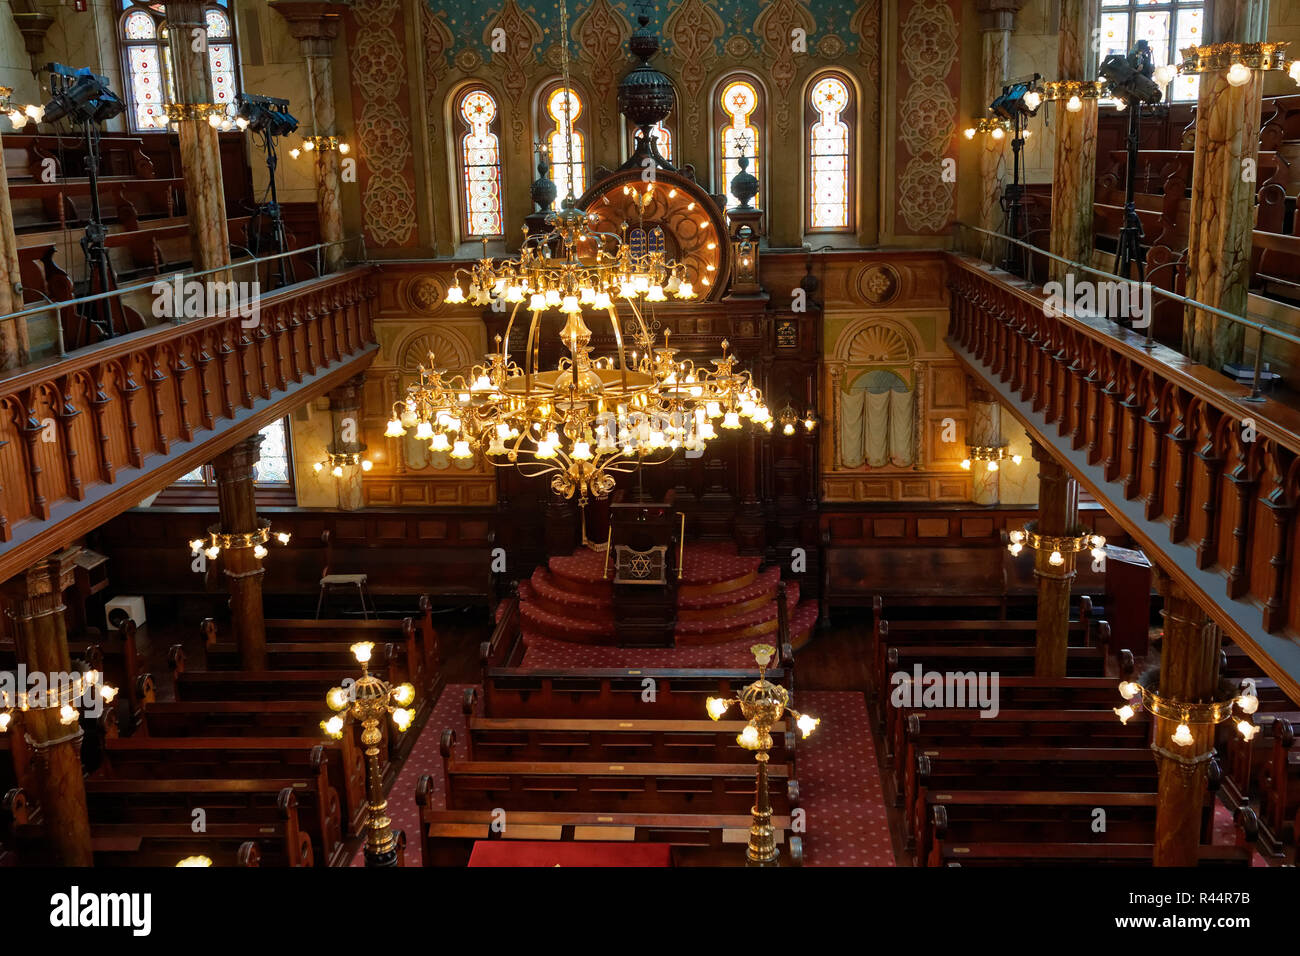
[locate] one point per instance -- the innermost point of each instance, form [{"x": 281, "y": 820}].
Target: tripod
[
  {"x": 1129, "y": 253},
  {"x": 281, "y": 274},
  {"x": 1015, "y": 213},
  {"x": 97, "y": 315}
]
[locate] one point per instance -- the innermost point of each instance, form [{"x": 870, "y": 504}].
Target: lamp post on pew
[
  {"x": 368, "y": 700},
  {"x": 763, "y": 704}
]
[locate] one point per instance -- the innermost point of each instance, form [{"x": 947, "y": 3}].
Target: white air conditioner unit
[{"x": 132, "y": 605}]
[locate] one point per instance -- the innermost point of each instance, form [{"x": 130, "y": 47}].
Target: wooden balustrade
[
  {"x": 1190, "y": 470},
  {"x": 87, "y": 437}
]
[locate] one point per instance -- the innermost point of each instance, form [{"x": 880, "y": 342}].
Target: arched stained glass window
[
  {"x": 147, "y": 63},
  {"x": 479, "y": 159},
  {"x": 830, "y": 150},
  {"x": 568, "y": 150},
  {"x": 740, "y": 104}
]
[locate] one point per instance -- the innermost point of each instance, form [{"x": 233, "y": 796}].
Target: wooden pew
[
  {"x": 1009, "y": 661},
  {"x": 157, "y": 197},
  {"x": 448, "y": 836},
  {"x": 167, "y": 760},
  {"x": 1078, "y": 855},
  {"x": 627, "y": 788},
  {"x": 614, "y": 741},
  {"x": 263, "y": 719},
  {"x": 153, "y": 819}
]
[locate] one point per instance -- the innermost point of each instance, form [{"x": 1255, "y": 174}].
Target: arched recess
[
  {"x": 877, "y": 396},
  {"x": 454, "y": 128}
]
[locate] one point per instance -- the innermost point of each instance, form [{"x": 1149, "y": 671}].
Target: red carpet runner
[{"x": 842, "y": 796}]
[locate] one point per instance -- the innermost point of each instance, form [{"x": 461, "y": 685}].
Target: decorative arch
[
  {"x": 452, "y": 349},
  {"x": 875, "y": 336},
  {"x": 830, "y": 152},
  {"x": 479, "y": 189},
  {"x": 548, "y": 112},
  {"x": 740, "y": 122}
]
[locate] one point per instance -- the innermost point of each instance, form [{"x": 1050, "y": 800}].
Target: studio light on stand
[
  {"x": 269, "y": 118},
  {"x": 1018, "y": 102},
  {"x": 87, "y": 101},
  {"x": 1130, "y": 80}
]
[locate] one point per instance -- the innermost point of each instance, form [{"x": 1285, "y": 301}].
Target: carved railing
[
  {"x": 1206, "y": 481},
  {"x": 93, "y": 434}
]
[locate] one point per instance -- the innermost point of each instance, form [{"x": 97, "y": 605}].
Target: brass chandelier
[{"x": 589, "y": 417}]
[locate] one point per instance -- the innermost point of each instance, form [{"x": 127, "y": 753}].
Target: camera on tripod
[
  {"x": 268, "y": 115},
  {"x": 1129, "y": 75}
]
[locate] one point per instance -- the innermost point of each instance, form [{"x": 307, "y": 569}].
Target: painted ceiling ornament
[
  {"x": 776, "y": 24},
  {"x": 602, "y": 30},
  {"x": 694, "y": 29},
  {"x": 831, "y": 47},
  {"x": 738, "y": 47},
  {"x": 522, "y": 36},
  {"x": 438, "y": 40},
  {"x": 468, "y": 60}
]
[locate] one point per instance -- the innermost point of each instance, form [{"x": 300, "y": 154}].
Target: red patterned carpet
[{"x": 845, "y": 809}]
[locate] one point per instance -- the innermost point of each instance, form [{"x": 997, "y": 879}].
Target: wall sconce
[
  {"x": 336, "y": 461},
  {"x": 789, "y": 420},
  {"x": 1057, "y": 546},
  {"x": 1137, "y": 696},
  {"x": 322, "y": 143},
  {"x": 218, "y": 541},
  {"x": 1072, "y": 92},
  {"x": 1238, "y": 61},
  {"x": 19, "y": 116},
  {"x": 990, "y": 454}
]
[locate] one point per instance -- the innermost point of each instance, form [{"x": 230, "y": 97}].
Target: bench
[
  {"x": 448, "y": 836},
  {"x": 624, "y": 787},
  {"x": 166, "y": 760}
]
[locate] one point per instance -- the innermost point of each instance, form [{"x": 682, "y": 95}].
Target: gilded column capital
[{"x": 38, "y": 591}]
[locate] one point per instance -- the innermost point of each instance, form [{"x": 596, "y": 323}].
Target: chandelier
[{"x": 587, "y": 418}]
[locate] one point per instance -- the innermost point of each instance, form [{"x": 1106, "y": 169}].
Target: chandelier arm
[
  {"x": 505, "y": 345},
  {"x": 618, "y": 341},
  {"x": 529, "y": 354}
]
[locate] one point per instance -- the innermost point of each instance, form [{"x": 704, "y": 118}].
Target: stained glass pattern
[
  {"x": 1167, "y": 25},
  {"x": 663, "y": 140},
  {"x": 272, "y": 467},
  {"x": 828, "y": 176},
  {"x": 740, "y": 133},
  {"x": 566, "y": 169},
  {"x": 147, "y": 58},
  {"x": 481, "y": 165}
]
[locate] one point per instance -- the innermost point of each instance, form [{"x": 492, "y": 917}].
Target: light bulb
[
  {"x": 283, "y": 537},
  {"x": 807, "y": 724},
  {"x": 748, "y": 738},
  {"x": 295, "y": 153},
  {"x": 1164, "y": 75},
  {"x": 603, "y": 301},
  {"x": 537, "y": 302},
  {"x": 581, "y": 451},
  {"x": 423, "y": 431},
  {"x": 395, "y": 429},
  {"x": 455, "y": 294},
  {"x": 731, "y": 420},
  {"x": 1125, "y": 713},
  {"x": 259, "y": 551},
  {"x": 439, "y": 442},
  {"x": 787, "y": 429},
  {"x": 1055, "y": 559},
  {"x": 241, "y": 123},
  {"x": 403, "y": 694},
  {"x": 196, "y": 545},
  {"x": 716, "y": 707},
  {"x": 460, "y": 451},
  {"x": 553, "y": 297},
  {"x": 214, "y": 120},
  {"x": 570, "y": 305},
  {"x": 1294, "y": 70},
  {"x": 1033, "y": 99},
  {"x": 337, "y": 471},
  {"x": 687, "y": 291},
  {"x": 965, "y": 464},
  {"x": 212, "y": 553},
  {"x": 336, "y": 699},
  {"x": 344, "y": 148},
  {"x": 1074, "y": 104},
  {"x": 67, "y": 715},
  {"x": 308, "y": 145},
  {"x": 992, "y": 466},
  {"x": 1247, "y": 729},
  {"x": 998, "y": 132},
  {"x": 333, "y": 727},
  {"x": 402, "y": 718},
  {"x": 969, "y": 132},
  {"x": 1129, "y": 689},
  {"x": 1183, "y": 736},
  {"x": 361, "y": 651},
  {"x": 108, "y": 693},
  {"x": 37, "y": 113},
  {"x": 1238, "y": 74},
  {"x": 1017, "y": 459},
  {"x": 367, "y": 464},
  {"x": 5, "y": 718},
  {"x": 656, "y": 294},
  {"x": 1248, "y": 703},
  {"x": 1015, "y": 548}
]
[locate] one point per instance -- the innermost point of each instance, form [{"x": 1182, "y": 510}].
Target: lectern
[{"x": 642, "y": 539}]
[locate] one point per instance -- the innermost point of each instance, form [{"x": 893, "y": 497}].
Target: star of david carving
[{"x": 639, "y": 566}]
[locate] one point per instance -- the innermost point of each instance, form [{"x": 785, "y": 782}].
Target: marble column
[
  {"x": 13, "y": 332},
  {"x": 997, "y": 19},
  {"x": 242, "y": 569},
  {"x": 315, "y": 25},
  {"x": 1058, "y": 515},
  {"x": 205, "y": 202},
  {"x": 1223, "y": 198},
  {"x": 345, "y": 414},
  {"x": 1074, "y": 157},
  {"x": 1189, "y": 672},
  {"x": 35, "y": 604},
  {"x": 985, "y": 428}
]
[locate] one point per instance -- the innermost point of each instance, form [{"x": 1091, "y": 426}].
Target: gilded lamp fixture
[
  {"x": 65, "y": 697},
  {"x": 763, "y": 704},
  {"x": 1239, "y": 708},
  {"x": 218, "y": 540},
  {"x": 588, "y": 417},
  {"x": 990, "y": 455},
  {"x": 1056, "y": 546},
  {"x": 369, "y": 700}
]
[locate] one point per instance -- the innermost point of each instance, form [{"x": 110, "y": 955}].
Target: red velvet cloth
[{"x": 563, "y": 853}]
